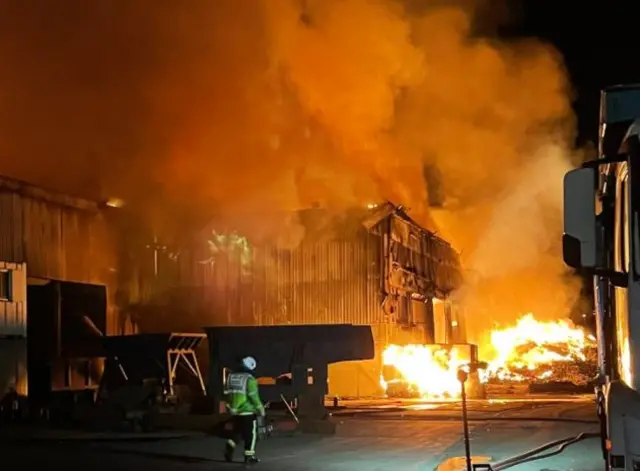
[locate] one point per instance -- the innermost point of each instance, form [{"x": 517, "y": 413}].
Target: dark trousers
[{"x": 244, "y": 428}]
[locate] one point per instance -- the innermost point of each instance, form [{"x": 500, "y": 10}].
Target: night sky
[{"x": 600, "y": 45}]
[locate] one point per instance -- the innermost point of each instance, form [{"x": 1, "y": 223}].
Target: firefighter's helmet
[{"x": 249, "y": 363}]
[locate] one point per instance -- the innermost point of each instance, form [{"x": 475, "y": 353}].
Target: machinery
[
  {"x": 140, "y": 372},
  {"x": 293, "y": 358},
  {"x": 602, "y": 237},
  {"x": 145, "y": 375}
]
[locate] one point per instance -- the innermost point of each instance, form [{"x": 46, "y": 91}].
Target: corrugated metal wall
[
  {"x": 59, "y": 238},
  {"x": 342, "y": 279},
  {"x": 336, "y": 279},
  {"x": 335, "y": 282},
  {"x": 11, "y": 229},
  {"x": 56, "y": 242}
]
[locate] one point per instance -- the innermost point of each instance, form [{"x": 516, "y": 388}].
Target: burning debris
[
  {"x": 535, "y": 351},
  {"x": 529, "y": 352},
  {"x": 421, "y": 371}
]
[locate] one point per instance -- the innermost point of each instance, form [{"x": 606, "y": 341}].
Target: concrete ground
[{"x": 399, "y": 436}]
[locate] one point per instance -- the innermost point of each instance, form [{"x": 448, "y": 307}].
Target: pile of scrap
[{"x": 574, "y": 374}]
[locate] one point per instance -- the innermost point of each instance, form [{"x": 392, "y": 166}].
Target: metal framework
[
  {"x": 154, "y": 355},
  {"x": 182, "y": 347}
]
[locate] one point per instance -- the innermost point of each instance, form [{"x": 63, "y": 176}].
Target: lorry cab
[{"x": 602, "y": 237}]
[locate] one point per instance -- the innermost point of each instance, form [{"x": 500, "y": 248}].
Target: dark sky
[{"x": 599, "y": 42}]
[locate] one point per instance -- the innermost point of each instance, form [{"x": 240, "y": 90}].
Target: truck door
[{"x": 621, "y": 263}]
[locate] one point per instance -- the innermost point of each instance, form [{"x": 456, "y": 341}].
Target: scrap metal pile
[
  {"x": 578, "y": 370},
  {"x": 542, "y": 352}
]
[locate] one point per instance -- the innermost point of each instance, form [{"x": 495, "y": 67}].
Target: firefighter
[{"x": 244, "y": 405}]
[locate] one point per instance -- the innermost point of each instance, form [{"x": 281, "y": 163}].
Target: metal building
[
  {"x": 372, "y": 266},
  {"x": 57, "y": 269}
]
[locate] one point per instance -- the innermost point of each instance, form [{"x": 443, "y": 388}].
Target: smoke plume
[{"x": 258, "y": 106}]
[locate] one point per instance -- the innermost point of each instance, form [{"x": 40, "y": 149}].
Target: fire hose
[
  {"x": 534, "y": 454},
  {"x": 531, "y": 455}
]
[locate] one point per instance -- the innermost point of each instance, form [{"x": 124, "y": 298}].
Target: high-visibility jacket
[{"x": 241, "y": 393}]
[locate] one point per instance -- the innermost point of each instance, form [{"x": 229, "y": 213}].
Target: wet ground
[{"x": 371, "y": 435}]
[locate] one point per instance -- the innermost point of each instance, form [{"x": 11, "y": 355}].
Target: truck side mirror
[{"x": 580, "y": 237}]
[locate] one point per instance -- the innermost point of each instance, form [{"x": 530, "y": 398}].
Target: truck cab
[{"x": 602, "y": 237}]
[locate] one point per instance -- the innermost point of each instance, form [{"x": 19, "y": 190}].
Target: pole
[{"x": 465, "y": 422}]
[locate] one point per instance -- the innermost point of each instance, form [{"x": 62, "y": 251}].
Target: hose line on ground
[{"x": 534, "y": 455}]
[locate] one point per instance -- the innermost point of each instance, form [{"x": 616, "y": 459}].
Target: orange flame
[{"x": 430, "y": 371}]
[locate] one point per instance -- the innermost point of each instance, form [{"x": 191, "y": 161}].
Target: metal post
[
  {"x": 462, "y": 376},
  {"x": 156, "y": 248},
  {"x": 170, "y": 370},
  {"x": 199, "y": 373}
]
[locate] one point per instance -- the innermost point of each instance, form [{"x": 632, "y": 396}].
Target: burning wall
[{"x": 367, "y": 266}]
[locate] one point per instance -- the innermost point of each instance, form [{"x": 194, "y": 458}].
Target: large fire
[
  {"x": 529, "y": 351},
  {"x": 424, "y": 369}
]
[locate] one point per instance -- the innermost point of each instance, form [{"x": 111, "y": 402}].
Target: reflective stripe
[
  {"x": 254, "y": 435},
  {"x": 242, "y": 396},
  {"x": 237, "y": 383},
  {"x": 231, "y": 443}
]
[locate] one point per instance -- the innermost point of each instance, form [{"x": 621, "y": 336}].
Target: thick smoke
[{"x": 252, "y": 107}]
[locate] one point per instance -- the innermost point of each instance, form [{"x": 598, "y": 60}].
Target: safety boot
[
  {"x": 228, "y": 453},
  {"x": 251, "y": 460}
]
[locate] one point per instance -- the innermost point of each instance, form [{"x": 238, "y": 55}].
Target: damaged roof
[
  {"x": 321, "y": 224},
  {"x": 29, "y": 190}
]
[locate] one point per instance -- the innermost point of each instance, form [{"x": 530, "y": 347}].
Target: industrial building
[
  {"x": 64, "y": 258},
  {"x": 58, "y": 264},
  {"x": 370, "y": 266}
]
